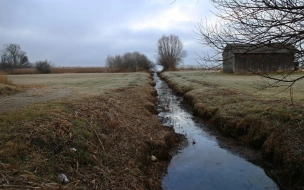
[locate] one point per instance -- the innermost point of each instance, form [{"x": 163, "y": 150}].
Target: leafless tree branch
[{"x": 255, "y": 22}]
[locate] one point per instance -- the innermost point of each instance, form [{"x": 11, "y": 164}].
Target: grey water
[{"x": 202, "y": 163}]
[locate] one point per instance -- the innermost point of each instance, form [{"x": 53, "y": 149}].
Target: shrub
[
  {"x": 129, "y": 62},
  {"x": 43, "y": 66},
  {"x": 4, "y": 79}
]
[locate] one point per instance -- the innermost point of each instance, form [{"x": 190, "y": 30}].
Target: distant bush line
[
  {"x": 58, "y": 70},
  {"x": 129, "y": 62}
]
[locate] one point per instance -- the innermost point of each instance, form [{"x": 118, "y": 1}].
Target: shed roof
[{"x": 260, "y": 48}]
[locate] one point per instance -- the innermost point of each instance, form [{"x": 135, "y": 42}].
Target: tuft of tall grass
[{"x": 4, "y": 79}]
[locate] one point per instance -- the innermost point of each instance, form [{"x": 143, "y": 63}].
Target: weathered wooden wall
[{"x": 258, "y": 62}]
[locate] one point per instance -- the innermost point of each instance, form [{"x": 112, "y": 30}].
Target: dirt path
[{"x": 31, "y": 96}]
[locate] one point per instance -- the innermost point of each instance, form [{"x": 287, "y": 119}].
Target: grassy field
[
  {"x": 266, "y": 120},
  {"x": 250, "y": 84},
  {"x": 101, "y": 135},
  {"x": 84, "y": 84}
]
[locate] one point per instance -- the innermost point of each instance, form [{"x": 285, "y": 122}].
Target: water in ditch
[{"x": 202, "y": 163}]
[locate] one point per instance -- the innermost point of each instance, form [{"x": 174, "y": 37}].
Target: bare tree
[
  {"x": 13, "y": 57},
  {"x": 255, "y": 22},
  {"x": 170, "y": 52}
]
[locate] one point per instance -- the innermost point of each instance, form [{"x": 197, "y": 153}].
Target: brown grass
[
  {"x": 272, "y": 125},
  {"x": 6, "y": 85},
  {"x": 80, "y": 70},
  {"x": 59, "y": 70},
  {"x": 114, "y": 135},
  {"x": 4, "y": 79},
  {"x": 22, "y": 71},
  {"x": 189, "y": 68}
]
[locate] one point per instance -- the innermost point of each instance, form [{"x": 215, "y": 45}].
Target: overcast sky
[{"x": 84, "y": 32}]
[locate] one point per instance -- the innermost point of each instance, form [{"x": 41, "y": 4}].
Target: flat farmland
[
  {"x": 84, "y": 84},
  {"x": 37, "y": 88},
  {"x": 250, "y": 84},
  {"x": 99, "y": 130}
]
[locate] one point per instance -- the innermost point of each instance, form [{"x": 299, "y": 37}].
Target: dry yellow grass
[
  {"x": 6, "y": 85},
  {"x": 22, "y": 71},
  {"x": 79, "y": 70},
  {"x": 57, "y": 70},
  {"x": 4, "y": 79},
  {"x": 189, "y": 68}
]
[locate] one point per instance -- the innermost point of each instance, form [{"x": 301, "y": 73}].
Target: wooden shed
[{"x": 243, "y": 58}]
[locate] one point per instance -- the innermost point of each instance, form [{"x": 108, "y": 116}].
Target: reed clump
[
  {"x": 4, "y": 79},
  {"x": 6, "y": 85}
]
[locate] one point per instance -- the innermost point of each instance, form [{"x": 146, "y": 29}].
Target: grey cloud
[{"x": 83, "y": 33}]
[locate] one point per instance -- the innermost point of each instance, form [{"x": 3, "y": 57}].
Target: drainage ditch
[{"x": 203, "y": 163}]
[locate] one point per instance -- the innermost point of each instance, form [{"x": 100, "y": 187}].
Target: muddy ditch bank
[{"x": 281, "y": 147}]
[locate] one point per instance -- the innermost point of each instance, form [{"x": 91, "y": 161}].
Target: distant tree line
[
  {"x": 12, "y": 57},
  {"x": 129, "y": 62}
]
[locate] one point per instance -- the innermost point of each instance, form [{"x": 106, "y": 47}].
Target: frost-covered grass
[
  {"x": 82, "y": 84},
  {"x": 251, "y": 84}
]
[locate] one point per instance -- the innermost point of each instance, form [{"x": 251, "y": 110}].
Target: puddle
[{"x": 202, "y": 163}]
